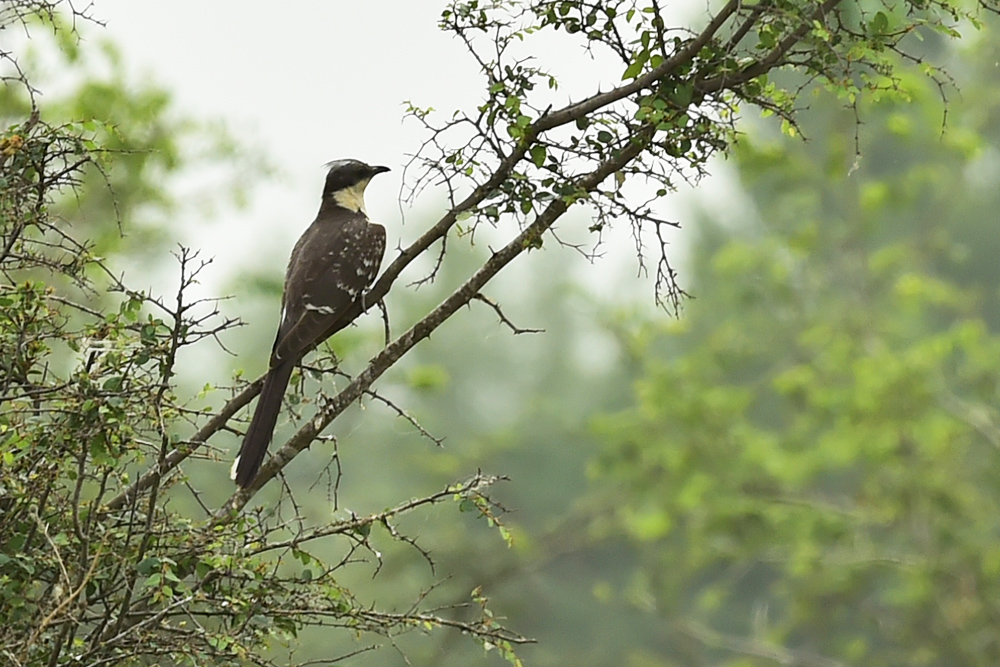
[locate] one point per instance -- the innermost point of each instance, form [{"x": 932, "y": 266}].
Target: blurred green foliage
[{"x": 810, "y": 474}]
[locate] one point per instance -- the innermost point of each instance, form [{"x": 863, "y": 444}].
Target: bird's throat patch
[{"x": 353, "y": 198}]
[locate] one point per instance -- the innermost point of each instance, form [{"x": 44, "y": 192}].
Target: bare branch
[{"x": 503, "y": 318}]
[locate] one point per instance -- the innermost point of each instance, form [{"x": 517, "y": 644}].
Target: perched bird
[{"x": 331, "y": 266}]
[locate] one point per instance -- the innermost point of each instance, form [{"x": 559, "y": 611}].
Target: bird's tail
[{"x": 261, "y": 428}]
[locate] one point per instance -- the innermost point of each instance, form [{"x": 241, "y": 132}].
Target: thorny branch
[
  {"x": 503, "y": 318},
  {"x": 422, "y": 329},
  {"x": 476, "y": 485}
]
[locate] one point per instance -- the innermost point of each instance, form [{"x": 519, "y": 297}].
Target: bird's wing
[{"x": 331, "y": 266}]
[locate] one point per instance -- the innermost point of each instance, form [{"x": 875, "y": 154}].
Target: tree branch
[{"x": 423, "y": 329}]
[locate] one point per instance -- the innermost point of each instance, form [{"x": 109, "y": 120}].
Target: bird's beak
[{"x": 379, "y": 170}]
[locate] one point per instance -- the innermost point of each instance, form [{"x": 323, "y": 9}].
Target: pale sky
[{"x": 311, "y": 81}]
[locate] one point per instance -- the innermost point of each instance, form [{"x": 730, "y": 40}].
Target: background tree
[
  {"x": 102, "y": 566},
  {"x": 809, "y": 475}
]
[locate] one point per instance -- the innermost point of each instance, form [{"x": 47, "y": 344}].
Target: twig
[{"x": 503, "y": 318}]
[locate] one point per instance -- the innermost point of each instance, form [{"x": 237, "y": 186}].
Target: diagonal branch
[
  {"x": 549, "y": 121},
  {"x": 423, "y": 329},
  {"x": 772, "y": 59}
]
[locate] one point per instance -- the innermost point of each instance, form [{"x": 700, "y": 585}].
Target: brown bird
[{"x": 331, "y": 266}]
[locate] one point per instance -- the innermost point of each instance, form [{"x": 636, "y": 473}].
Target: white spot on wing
[{"x": 326, "y": 310}]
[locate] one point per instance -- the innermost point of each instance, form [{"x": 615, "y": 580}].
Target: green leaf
[
  {"x": 767, "y": 38},
  {"x": 633, "y": 70},
  {"x": 682, "y": 94},
  {"x": 879, "y": 23},
  {"x": 538, "y": 154}
]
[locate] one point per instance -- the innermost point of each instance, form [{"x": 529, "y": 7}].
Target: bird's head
[{"x": 346, "y": 182}]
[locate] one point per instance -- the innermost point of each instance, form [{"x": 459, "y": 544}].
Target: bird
[{"x": 331, "y": 267}]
